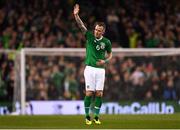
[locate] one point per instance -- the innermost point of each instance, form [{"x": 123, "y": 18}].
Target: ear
[{"x": 103, "y": 31}]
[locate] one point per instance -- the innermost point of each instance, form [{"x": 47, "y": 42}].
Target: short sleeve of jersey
[
  {"x": 109, "y": 47},
  {"x": 88, "y": 34}
]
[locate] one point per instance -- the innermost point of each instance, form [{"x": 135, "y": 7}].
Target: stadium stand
[{"x": 130, "y": 24}]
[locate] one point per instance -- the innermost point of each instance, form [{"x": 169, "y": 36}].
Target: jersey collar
[{"x": 99, "y": 38}]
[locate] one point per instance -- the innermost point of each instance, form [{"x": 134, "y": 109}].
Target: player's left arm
[{"x": 108, "y": 56}]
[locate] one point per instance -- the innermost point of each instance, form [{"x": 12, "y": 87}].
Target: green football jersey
[{"x": 96, "y": 49}]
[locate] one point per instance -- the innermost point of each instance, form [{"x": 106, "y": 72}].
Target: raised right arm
[{"x": 78, "y": 20}]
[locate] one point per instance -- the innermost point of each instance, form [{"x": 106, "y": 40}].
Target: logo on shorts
[{"x": 87, "y": 86}]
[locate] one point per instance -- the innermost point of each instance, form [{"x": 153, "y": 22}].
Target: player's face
[{"x": 98, "y": 31}]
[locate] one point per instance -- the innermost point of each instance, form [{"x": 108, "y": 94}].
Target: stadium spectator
[{"x": 169, "y": 92}]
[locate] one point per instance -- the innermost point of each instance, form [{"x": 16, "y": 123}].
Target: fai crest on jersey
[{"x": 102, "y": 45}]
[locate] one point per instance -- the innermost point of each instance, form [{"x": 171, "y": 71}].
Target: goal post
[
  {"x": 80, "y": 52},
  {"x": 23, "y": 81}
]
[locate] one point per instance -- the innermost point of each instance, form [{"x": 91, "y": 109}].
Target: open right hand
[{"x": 76, "y": 9}]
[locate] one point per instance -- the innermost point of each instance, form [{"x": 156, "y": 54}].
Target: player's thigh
[
  {"x": 89, "y": 79},
  {"x": 100, "y": 77}
]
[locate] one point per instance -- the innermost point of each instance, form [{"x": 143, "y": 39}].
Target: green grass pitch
[{"x": 77, "y": 122}]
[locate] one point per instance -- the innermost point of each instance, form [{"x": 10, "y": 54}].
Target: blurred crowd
[
  {"x": 127, "y": 78},
  {"x": 130, "y": 24},
  {"x": 50, "y": 23},
  {"x": 7, "y": 77}
]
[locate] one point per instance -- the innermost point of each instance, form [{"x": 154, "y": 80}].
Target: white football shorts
[{"x": 94, "y": 78}]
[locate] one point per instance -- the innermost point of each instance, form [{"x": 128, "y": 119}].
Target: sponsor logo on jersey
[
  {"x": 101, "y": 46},
  {"x": 98, "y": 47}
]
